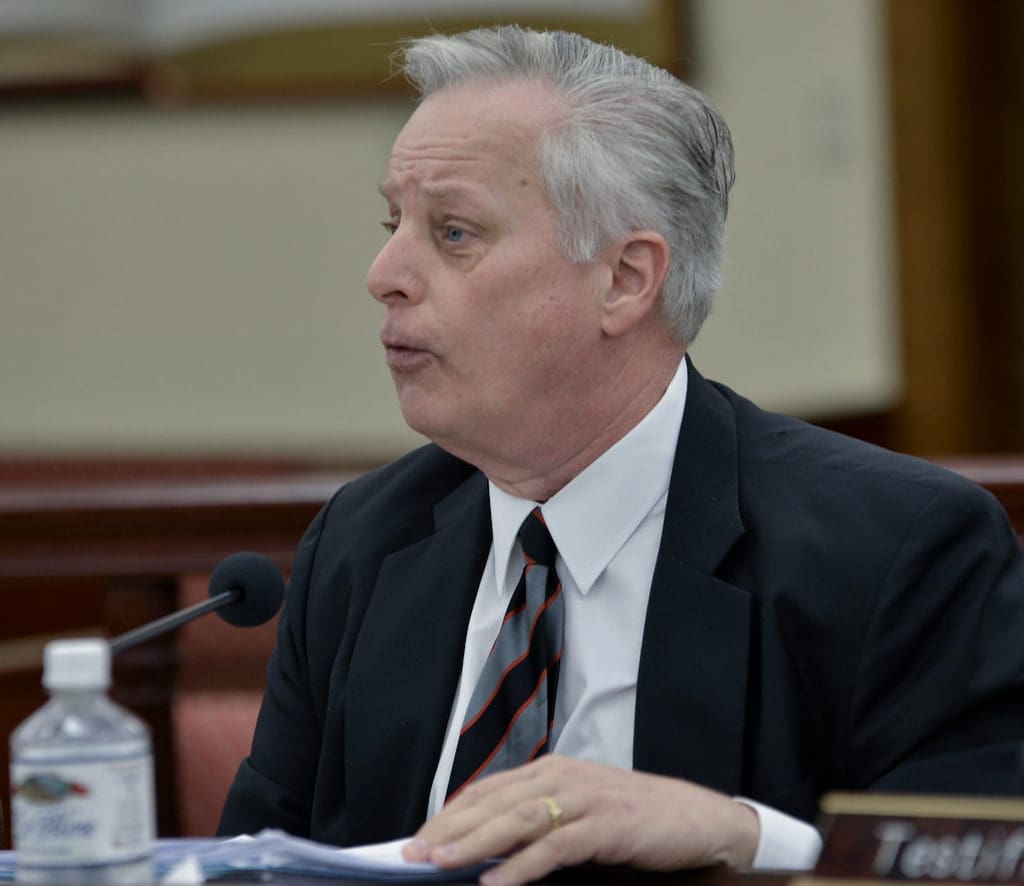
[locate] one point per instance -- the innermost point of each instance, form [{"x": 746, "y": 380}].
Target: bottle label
[{"x": 70, "y": 813}]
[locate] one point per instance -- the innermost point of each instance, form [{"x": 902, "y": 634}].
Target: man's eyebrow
[
  {"x": 447, "y": 190},
  {"x": 434, "y": 192},
  {"x": 440, "y": 191}
]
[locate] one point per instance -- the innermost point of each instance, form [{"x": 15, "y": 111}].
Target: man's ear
[{"x": 639, "y": 266}]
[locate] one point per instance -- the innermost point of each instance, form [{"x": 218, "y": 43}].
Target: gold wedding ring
[{"x": 554, "y": 811}]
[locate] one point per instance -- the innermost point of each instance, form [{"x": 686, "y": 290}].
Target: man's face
[{"x": 491, "y": 335}]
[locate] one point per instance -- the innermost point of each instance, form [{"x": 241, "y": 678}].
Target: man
[{"x": 750, "y": 611}]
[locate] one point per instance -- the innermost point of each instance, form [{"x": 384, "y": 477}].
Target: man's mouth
[{"x": 403, "y": 355}]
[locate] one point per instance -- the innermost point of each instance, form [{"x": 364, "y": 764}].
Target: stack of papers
[{"x": 183, "y": 861}]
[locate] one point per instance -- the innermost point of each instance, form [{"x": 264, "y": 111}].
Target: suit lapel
[
  {"x": 691, "y": 687},
  {"x": 406, "y": 663}
]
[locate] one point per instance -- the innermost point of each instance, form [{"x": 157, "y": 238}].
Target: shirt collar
[{"x": 594, "y": 514}]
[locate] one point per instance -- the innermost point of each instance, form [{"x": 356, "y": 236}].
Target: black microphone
[{"x": 246, "y": 589}]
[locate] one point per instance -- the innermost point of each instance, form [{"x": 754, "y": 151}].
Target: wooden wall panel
[{"x": 957, "y": 78}]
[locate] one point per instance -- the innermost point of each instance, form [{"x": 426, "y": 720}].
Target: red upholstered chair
[{"x": 221, "y": 677}]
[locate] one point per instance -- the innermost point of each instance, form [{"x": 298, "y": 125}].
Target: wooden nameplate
[{"x": 920, "y": 837}]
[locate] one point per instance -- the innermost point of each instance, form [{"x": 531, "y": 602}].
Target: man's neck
[{"x": 540, "y": 482}]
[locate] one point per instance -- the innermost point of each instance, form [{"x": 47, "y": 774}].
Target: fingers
[
  {"x": 563, "y": 847},
  {"x": 489, "y": 799},
  {"x": 489, "y": 825},
  {"x": 557, "y": 812},
  {"x": 537, "y": 818},
  {"x": 524, "y": 832}
]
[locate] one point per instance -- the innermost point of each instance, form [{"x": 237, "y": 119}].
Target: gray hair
[{"x": 635, "y": 149}]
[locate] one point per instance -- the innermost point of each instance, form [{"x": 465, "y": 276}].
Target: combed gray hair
[{"x": 635, "y": 149}]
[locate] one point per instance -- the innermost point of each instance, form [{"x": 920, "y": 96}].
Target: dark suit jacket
[{"x": 824, "y": 615}]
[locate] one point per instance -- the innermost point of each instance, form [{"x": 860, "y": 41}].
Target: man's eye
[
  {"x": 454, "y": 234},
  {"x": 390, "y": 227}
]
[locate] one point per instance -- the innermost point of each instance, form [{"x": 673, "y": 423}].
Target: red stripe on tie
[
  {"x": 512, "y": 613},
  {"x": 538, "y": 747},
  {"x": 542, "y": 609},
  {"x": 504, "y": 738},
  {"x": 514, "y": 663},
  {"x": 483, "y": 708}
]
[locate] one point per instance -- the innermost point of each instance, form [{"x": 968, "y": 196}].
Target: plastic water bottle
[{"x": 81, "y": 778}]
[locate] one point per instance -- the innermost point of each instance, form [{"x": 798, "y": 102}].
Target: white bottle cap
[{"x": 77, "y": 664}]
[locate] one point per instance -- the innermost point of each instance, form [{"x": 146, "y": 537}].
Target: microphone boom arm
[
  {"x": 173, "y": 620},
  {"x": 246, "y": 587}
]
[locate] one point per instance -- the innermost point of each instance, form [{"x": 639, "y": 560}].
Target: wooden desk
[{"x": 584, "y": 876}]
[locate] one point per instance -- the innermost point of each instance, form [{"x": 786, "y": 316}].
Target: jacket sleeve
[{"x": 939, "y": 698}]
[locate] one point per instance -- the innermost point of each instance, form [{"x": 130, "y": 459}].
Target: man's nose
[{"x": 392, "y": 275}]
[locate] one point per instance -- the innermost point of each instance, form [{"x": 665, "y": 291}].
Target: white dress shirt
[{"x": 606, "y": 524}]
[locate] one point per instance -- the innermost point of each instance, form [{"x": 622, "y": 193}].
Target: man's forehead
[
  {"x": 459, "y": 144},
  {"x": 476, "y": 116}
]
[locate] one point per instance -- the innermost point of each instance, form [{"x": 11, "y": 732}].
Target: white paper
[
  {"x": 272, "y": 850},
  {"x": 192, "y": 860}
]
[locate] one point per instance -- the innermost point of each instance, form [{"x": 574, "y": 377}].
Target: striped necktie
[{"x": 508, "y": 721}]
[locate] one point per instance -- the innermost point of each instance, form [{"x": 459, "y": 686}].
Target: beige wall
[
  {"x": 193, "y": 281},
  {"x": 805, "y": 321}
]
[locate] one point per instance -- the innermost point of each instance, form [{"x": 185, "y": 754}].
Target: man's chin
[
  {"x": 440, "y": 432},
  {"x": 422, "y": 419}
]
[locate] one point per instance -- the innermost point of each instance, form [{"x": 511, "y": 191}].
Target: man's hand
[{"x": 607, "y": 815}]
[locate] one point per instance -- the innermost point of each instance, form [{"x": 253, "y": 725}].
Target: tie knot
[{"x": 536, "y": 540}]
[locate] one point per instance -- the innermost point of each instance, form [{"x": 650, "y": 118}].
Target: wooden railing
[
  {"x": 98, "y": 548},
  {"x": 1002, "y": 475}
]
